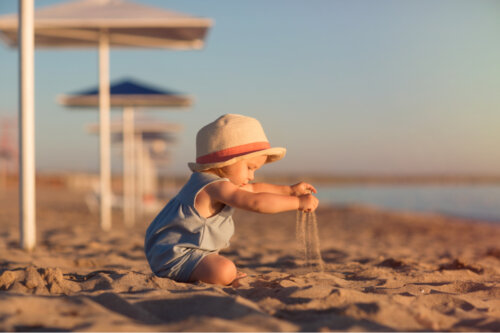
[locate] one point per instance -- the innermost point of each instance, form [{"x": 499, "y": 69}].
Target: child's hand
[
  {"x": 302, "y": 188},
  {"x": 308, "y": 203}
]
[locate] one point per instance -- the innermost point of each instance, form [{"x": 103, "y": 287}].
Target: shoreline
[{"x": 423, "y": 214}]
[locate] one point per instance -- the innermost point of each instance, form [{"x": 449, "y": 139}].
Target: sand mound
[{"x": 38, "y": 281}]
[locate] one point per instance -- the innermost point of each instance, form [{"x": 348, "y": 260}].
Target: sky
[{"x": 348, "y": 87}]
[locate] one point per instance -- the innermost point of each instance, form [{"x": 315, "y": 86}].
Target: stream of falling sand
[{"x": 306, "y": 229}]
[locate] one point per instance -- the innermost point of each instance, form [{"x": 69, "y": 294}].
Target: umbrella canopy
[
  {"x": 79, "y": 24},
  {"x": 128, "y": 92},
  {"x": 149, "y": 126},
  {"x": 146, "y": 137}
]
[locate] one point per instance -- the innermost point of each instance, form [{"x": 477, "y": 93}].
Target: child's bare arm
[
  {"x": 268, "y": 188},
  {"x": 296, "y": 190},
  {"x": 262, "y": 202}
]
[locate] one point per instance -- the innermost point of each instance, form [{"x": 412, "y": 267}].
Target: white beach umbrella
[
  {"x": 89, "y": 23},
  {"x": 146, "y": 132},
  {"x": 140, "y": 127}
]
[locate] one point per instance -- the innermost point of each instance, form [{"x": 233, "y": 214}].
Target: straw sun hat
[{"x": 229, "y": 139}]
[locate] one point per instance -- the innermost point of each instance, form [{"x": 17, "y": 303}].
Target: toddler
[{"x": 183, "y": 241}]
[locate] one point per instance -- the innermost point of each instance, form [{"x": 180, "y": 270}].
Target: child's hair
[{"x": 217, "y": 171}]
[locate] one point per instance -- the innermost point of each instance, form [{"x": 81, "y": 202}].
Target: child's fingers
[
  {"x": 308, "y": 188},
  {"x": 304, "y": 188}
]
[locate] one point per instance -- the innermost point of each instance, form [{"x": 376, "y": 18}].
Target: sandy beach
[{"x": 384, "y": 271}]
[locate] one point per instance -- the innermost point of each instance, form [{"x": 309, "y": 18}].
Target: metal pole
[
  {"x": 128, "y": 167},
  {"x": 104, "y": 131},
  {"x": 149, "y": 179},
  {"x": 139, "y": 167},
  {"x": 27, "y": 125}
]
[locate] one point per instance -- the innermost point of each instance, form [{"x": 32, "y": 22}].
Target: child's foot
[{"x": 239, "y": 276}]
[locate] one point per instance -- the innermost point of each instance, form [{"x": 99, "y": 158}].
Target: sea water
[{"x": 477, "y": 202}]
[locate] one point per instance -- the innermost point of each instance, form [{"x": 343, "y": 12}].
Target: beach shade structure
[
  {"x": 130, "y": 95},
  {"x": 128, "y": 92},
  {"x": 87, "y": 23},
  {"x": 150, "y": 138}
]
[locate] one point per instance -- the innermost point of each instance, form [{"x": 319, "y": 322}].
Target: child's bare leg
[{"x": 215, "y": 269}]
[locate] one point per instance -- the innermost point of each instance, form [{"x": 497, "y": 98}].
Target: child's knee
[
  {"x": 215, "y": 269},
  {"x": 223, "y": 271},
  {"x": 226, "y": 272}
]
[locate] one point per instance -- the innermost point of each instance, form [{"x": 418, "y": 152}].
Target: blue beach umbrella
[{"x": 130, "y": 94}]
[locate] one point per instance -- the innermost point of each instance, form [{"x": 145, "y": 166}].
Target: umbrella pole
[
  {"x": 27, "y": 126},
  {"x": 104, "y": 131},
  {"x": 128, "y": 167},
  {"x": 139, "y": 167}
]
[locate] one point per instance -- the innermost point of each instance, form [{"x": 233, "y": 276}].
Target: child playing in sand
[{"x": 183, "y": 241}]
